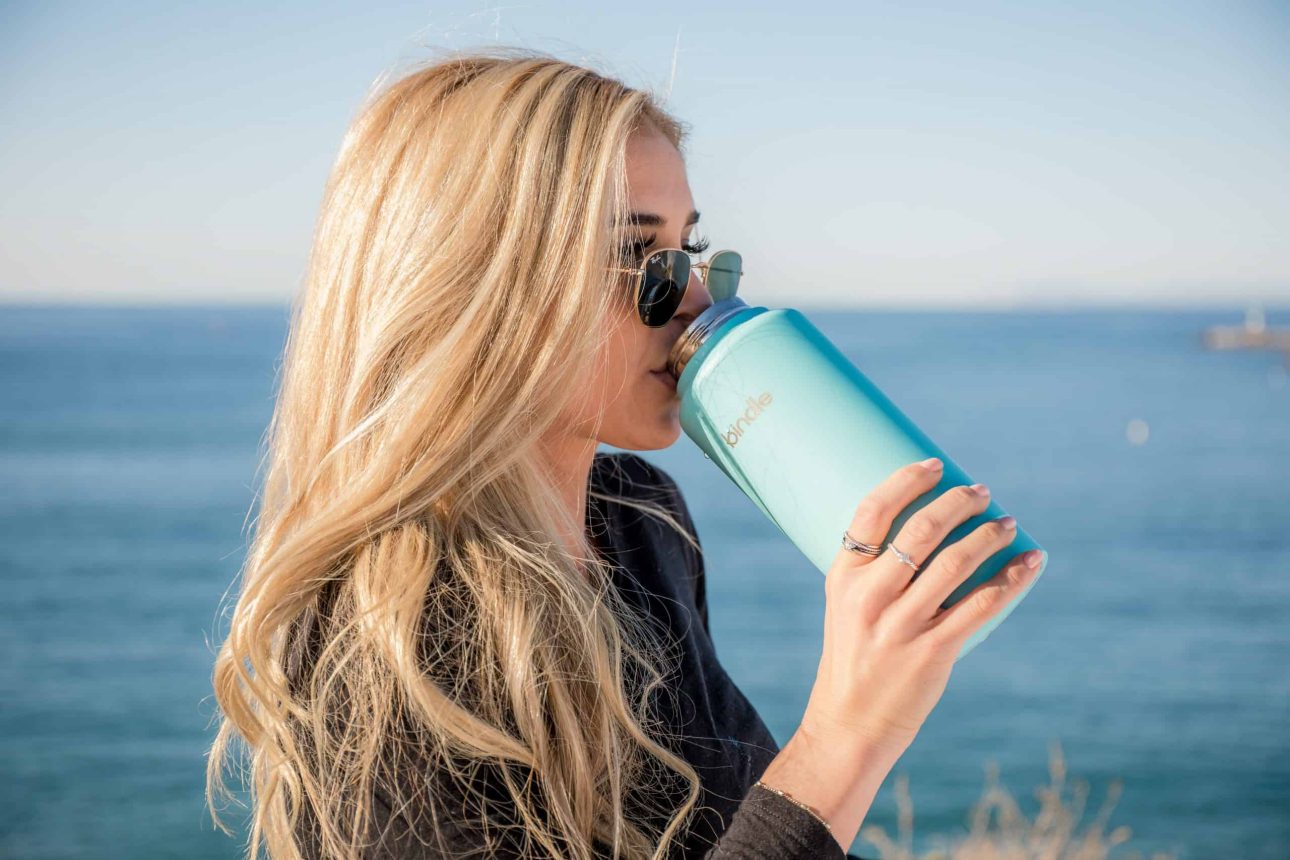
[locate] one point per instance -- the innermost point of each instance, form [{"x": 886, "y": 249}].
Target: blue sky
[{"x": 859, "y": 154}]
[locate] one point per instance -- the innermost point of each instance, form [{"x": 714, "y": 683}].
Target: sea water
[{"x": 1154, "y": 649}]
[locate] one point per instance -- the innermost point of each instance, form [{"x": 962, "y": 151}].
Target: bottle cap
[{"x": 699, "y": 330}]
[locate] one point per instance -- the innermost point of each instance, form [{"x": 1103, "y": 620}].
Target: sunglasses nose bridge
[{"x": 700, "y": 273}]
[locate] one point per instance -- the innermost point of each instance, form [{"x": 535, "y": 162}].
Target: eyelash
[
  {"x": 636, "y": 250},
  {"x": 696, "y": 247}
]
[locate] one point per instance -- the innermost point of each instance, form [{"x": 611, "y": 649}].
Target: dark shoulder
[{"x": 627, "y": 473}]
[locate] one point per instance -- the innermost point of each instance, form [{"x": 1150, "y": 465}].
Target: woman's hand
[{"x": 888, "y": 646}]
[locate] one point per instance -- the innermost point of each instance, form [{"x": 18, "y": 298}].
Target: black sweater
[
  {"x": 721, "y": 735},
  {"x": 725, "y": 739}
]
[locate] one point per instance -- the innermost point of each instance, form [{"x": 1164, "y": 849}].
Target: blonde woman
[{"x": 461, "y": 629}]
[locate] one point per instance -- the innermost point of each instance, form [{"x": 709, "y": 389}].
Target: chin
[
  {"x": 666, "y": 436},
  {"x": 662, "y": 432}
]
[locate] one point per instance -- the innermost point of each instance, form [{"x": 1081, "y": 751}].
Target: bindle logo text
[{"x": 755, "y": 408}]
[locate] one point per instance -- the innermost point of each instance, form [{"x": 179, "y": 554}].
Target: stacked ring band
[
  {"x": 862, "y": 548},
  {"x": 859, "y": 547}
]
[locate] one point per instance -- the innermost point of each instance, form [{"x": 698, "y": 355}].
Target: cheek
[
  {"x": 617, "y": 374},
  {"x": 623, "y": 350},
  {"x": 620, "y": 368}
]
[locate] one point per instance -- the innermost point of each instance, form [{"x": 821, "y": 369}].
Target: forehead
[{"x": 656, "y": 177}]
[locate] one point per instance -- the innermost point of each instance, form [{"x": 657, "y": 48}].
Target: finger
[
  {"x": 954, "y": 564},
  {"x": 879, "y": 508},
  {"x": 923, "y": 532},
  {"x": 956, "y": 624}
]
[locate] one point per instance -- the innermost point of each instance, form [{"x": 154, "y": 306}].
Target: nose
[{"x": 696, "y": 300}]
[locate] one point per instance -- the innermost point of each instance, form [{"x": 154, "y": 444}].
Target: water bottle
[{"x": 806, "y": 435}]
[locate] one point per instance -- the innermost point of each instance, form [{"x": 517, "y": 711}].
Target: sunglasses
[{"x": 665, "y": 274}]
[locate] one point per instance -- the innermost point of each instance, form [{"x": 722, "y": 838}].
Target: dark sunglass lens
[
  {"x": 724, "y": 270},
  {"x": 667, "y": 273}
]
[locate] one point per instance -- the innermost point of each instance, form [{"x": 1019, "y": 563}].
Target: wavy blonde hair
[{"x": 407, "y": 618}]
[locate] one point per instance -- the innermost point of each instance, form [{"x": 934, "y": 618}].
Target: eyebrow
[{"x": 649, "y": 219}]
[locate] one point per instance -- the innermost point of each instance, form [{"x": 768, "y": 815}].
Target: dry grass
[{"x": 1051, "y": 836}]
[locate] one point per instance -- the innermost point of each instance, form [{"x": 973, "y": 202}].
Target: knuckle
[
  {"x": 947, "y": 639},
  {"x": 938, "y": 638},
  {"x": 983, "y": 601},
  {"x": 1015, "y": 574},
  {"x": 921, "y": 651},
  {"x": 999, "y": 531},
  {"x": 954, "y": 562},
  {"x": 923, "y": 528},
  {"x": 868, "y": 510},
  {"x": 933, "y": 648},
  {"x": 850, "y": 600},
  {"x": 842, "y": 582}
]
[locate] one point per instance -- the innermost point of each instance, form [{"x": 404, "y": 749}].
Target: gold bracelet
[{"x": 796, "y": 802}]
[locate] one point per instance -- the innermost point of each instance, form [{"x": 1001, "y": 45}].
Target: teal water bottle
[{"x": 806, "y": 435}]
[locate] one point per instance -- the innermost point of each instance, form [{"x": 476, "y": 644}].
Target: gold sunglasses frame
[{"x": 639, "y": 271}]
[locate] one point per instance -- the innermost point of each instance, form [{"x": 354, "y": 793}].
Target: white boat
[{"x": 1254, "y": 334}]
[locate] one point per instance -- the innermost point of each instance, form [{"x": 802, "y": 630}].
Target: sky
[{"x": 956, "y": 155}]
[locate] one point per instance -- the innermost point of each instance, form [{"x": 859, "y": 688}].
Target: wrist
[{"x": 853, "y": 739}]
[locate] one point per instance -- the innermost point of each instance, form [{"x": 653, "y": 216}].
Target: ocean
[{"x": 1154, "y": 652}]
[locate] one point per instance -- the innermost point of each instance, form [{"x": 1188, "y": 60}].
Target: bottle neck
[{"x": 697, "y": 332}]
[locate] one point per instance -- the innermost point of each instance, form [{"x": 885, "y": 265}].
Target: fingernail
[
  {"x": 932, "y": 464},
  {"x": 980, "y": 489},
  {"x": 1033, "y": 557},
  {"x": 1007, "y": 521}
]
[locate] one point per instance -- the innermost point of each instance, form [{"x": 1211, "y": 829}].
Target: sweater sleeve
[{"x": 768, "y": 825}]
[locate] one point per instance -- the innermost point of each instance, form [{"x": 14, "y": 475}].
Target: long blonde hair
[{"x": 407, "y": 614}]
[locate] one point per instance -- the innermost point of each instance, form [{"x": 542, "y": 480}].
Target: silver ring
[
  {"x": 904, "y": 557},
  {"x": 859, "y": 547}
]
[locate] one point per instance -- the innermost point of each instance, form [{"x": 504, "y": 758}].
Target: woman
[{"x": 461, "y": 630}]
